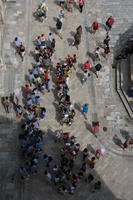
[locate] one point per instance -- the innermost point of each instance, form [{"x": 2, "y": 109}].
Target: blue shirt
[{"x": 85, "y": 109}]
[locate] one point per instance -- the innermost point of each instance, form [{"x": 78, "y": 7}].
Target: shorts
[{"x": 59, "y": 30}]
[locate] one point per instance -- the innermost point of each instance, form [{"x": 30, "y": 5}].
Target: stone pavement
[
  {"x": 115, "y": 169},
  {"x": 16, "y": 24}
]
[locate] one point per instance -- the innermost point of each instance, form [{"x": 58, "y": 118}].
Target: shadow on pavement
[{"x": 117, "y": 141}]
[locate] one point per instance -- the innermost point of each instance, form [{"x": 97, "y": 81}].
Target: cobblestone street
[{"x": 114, "y": 170}]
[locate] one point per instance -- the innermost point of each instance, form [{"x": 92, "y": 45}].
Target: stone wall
[
  {"x": 2, "y": 66},
  {"x": 1, "y": 12}
]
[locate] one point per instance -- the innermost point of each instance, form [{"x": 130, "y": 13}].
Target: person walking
[
  {"x": 85, "y": 76},
  {"x": 81, "y": 5},
  {"x": 77, "y": 38},
  {"x": 95, "y": 128},
  {"x": 97, "y": 54},
  {"x": 44, "y": 9},
  {"x": 127, "y": 143},
  {"x": 106, "y": 40},
  {"x": 109, "y": 23},
  {"x": 21, "y": 51},
  {"x": 85, "y": 110},
  {"x": 61, "y": 15},
  {"x": 95, "y": 26},
  {"x": 92, "y": 162},
  {"x": 106, "y": 51},
  {"x": 6, "y": 104},
  {"x": 59, "y": 27},
  {"x": 100, "y": 153},
  {"x": 87, "y": 65},
  {"x": 50, "y": 39},
  {"x": 79, "y": 29}
]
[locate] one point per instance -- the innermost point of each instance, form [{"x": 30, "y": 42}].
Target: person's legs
[
  {"x": 84, "y": 80},
  {"x": 45, "y": 14},
  {"x": 6, "y": 109},
  {"x": 80, "y": 9}
]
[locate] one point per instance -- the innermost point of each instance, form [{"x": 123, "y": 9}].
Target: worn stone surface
[{"x": 115, "y": 169}]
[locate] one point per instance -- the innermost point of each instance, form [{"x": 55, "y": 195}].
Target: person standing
[{"x": 81, "y": 5}]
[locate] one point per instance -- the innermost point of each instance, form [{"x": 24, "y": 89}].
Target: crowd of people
[
  {"x": 63, "y": 73},
  {"x": 73, "y": 166},
  {"x": 32, "y": 112},
  {"x": 64, "y": 172}
]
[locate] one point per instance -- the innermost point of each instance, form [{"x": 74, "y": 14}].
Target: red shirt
[
  {"x": 46, "y": 75},
  {"x": 87, "y": 65},
  {"x": 95, "y": 25},
  {"x": 111, "y": 21},
  {"x": 69, "y": 59},
  {"x": 59, "y": 80},
  {"x": 27, "y": 90},
  {"x": 81, "y": 2}
]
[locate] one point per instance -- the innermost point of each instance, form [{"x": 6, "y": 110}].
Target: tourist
[
  {"x": 110, "y": 22},
  {"x": 95, "y": 26},
  {"x": 61, "y": 15},
  {"x": 85, "y": 76},
  {"x": 100, "y": 152},
  {"x": 106, "y": 40},
  {"x": 62, "y": 4},
  {"x": 48, "y": 175},
  {"x": 85, "y": 110},
  {"x": 92, "y": 162},
  {"x": 81, "y": 4},
  {"x": 17, "y": 42},
  {"x": 106, "y": 51},
  {"x": 50, "y": 39},
  {"x": 87, "y": 65},
  {"x": 95, "y": 128},
  {"x": 6, "y": 104},
  {"x": 21, "y": 51},
  {"x": 127, "y": 143},
  {"x": 97, "y": 54},
  {"x": 59, "y": 27}
]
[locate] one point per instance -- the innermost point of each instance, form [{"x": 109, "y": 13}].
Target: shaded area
[
  {"x": 84, "y": 189},
  {"x": 123, "y": 63},
  {"x": 10, "y": 186}
]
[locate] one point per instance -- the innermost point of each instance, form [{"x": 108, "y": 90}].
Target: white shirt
[{"x": 18, "y": 42}]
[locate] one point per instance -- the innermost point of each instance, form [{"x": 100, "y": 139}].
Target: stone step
[
  {"x": 120, "y": 91},
  {"x": 131, "y": 67}
]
